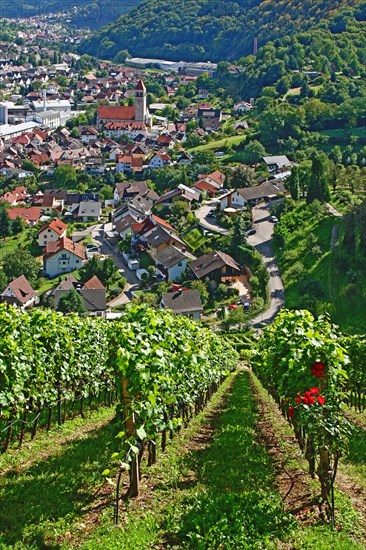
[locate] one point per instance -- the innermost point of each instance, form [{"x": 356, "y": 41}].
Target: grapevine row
[
  {"x": 166, "y": 362},
  {"x": 304, "y": 364}
]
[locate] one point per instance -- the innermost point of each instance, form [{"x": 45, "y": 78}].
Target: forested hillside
[
  {"x": 84, "y": 13},
  {"x": 211, "y": 29}
]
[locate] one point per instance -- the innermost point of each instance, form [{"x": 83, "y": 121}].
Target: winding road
[{"x": 262, "y": 241}]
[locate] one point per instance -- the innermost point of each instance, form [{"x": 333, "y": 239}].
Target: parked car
[
  {"x": 273, "y": 219},
  {"x": 251, "y": 232}
]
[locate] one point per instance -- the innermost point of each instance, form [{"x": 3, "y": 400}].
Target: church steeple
[{"x": 140, "y": 102}]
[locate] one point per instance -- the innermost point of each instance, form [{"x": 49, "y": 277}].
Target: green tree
[
  {"x": 106, "y": 270},
  {"x": 180, "y": 208},
  {"x": 121, "y": 56},
  {"x": 3, "y": 280},
  {"x": 253, "y": 152},
  {"x": 5, "y": 222},
  {"x": 242, "y": 176},
  {"x": 318, "y": 184},
  {"x": 18, "y": 225},
  {"x": 203, "y": 292},
  {"x": 293, "y": 183},
  {"x": 71, "y": 302},
  {"x": 21, "y": 262},
  {"x": 65, "y": 176}
]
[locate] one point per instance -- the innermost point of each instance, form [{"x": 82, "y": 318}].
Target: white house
[
  {"x": 171, "y": 262},
  {"x": 183, "y": 302},
  {"x": 88, "y": 211},
  {"x": 19, "y": 293},
  {"x": 51, "y": 232},
  {"x": 62, "y": 256},
  {"x": 160, "y": 160}
]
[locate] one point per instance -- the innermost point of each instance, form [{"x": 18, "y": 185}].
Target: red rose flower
[
  {"x": 290, "y": 412},
  {"x": 318, "y": 369},
  {"x": 298, "y": 399},
  {"x": 321, "y": 400},
  {"x": 309, "y": 400},
  {"x": 314, "y": 391}
]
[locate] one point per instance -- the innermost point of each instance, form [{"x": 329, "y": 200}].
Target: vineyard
[
  {"x": 160, "y": 367},
  {"x": 210, "y": 451}
]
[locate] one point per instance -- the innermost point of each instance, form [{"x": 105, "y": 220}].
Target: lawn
[
  {"x": 145, "y": 260},
  {"x": 195, "y": 239},
  {"x": 230, "y": 141},
  {"x": 12, "y": 243}
]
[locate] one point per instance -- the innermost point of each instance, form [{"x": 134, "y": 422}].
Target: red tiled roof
[
  {"x": 115, "y": 112},
  {"x": 94, "y": 283},
  {"x": 31, "y": 214},
  {"x": 140, "y": 85},
  {"x": 203, "y": 185},
  {"x": 63, "y": 244},
  {"x": 217, "y": 177},
  {"x": 57, "y": 225},
  {"x": 162, "y": 222}
]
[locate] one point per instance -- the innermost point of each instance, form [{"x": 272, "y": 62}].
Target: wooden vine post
[
  {"x": 324, "y": 474},
  {"x": 130, "y": 432}
]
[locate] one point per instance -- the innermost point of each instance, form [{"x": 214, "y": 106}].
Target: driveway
[
  {"x": 78, "y": 236},
  {"x": 108, "y": 250},
  {"x": 262, "y": 241},
  {"x": 209, "y": 223}
]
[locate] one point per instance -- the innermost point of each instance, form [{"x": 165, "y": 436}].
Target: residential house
[
  {"x": 116, "y": 130},
  {"x": 89, "y": 135},
  {"x": 211, "y": 118},
  {"x": 185, "y": 159},
  {"x": 181, "y": 193},
  {"x": 160, "y": 159},
  {"x": 171, "y": 262},
  {"x": 128, "y": 190},
  {"x": 30, "y": 215},
  {"x": 129, "y": 163},
  {"x": 19, "y": 293},
  {"x": 87, "y": 211},
  {"x": 62, "y": 256},
  {"x": 183, "y": 302},
  {"x": 138, "y": 207},
  {"x": 18, "y": 195},
  {"x": 159, "y": 238},
  {"x": 279, "y": 166},
  {"x": 240, "y": 198},
  {"x": 93, "y": 294},
  {"x": 52, "y": 231},
  {"x": 216, "y": 265}
]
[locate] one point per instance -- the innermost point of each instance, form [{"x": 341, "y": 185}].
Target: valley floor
[{"x": 233, "y": 479}]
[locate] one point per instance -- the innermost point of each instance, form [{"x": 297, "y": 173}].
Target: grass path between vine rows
[{"x": 223, "y": 483}]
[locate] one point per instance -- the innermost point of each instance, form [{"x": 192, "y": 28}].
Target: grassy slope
[{"x": 347, "y": 306}]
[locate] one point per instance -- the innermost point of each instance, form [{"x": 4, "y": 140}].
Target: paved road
[
  {"x": 262, "y": 241},
  {"x": 108, "y": 250},
  {"x": 209, "y": 223}
]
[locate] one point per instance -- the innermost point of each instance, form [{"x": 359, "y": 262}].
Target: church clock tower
[{"x": 140, "y": 102}]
